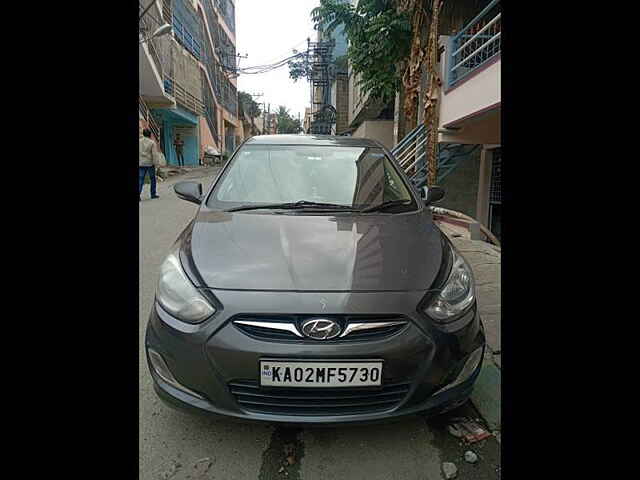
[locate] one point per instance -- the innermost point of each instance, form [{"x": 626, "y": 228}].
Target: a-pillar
[{"x": 399, "y": 122}]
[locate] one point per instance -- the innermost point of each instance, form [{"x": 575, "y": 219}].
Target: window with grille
[{"x": 187, "y": 28}]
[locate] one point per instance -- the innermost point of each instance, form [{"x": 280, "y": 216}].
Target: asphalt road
[{"x": 176, "y": 445}]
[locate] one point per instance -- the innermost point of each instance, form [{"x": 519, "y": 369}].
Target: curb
[
  {"x": 182, "y": 173},
  {"x": 486, "y": 395}
]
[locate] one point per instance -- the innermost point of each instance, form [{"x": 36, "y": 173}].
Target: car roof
[{"x": 320, "y": 140}]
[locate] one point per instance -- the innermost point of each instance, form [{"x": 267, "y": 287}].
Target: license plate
[{"x": 320, "y": 374}]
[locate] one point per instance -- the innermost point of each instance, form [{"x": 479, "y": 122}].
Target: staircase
[
  {"x": 410, "y": 153},
  {"x": 411, "y": 156},
  {"x": 145, "y": 113}
]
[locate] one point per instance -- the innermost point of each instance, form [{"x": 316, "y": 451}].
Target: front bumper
[
  {"x": 435, "y": 405},
  {"x": 206, "y": 359}
]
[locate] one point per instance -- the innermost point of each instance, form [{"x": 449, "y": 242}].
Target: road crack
[{"x": 281, "y": 459}]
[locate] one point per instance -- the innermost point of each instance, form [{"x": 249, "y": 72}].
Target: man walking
[
  {"x": 178, "y": 143},
  {"x": 146, "y": 164}
]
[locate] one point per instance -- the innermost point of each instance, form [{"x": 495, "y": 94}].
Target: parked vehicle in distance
[{"x": 313, "y": 287}]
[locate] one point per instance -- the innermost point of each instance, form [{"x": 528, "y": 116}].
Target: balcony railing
[
  {"x": 476, "y": 44},
  {"x": 182, "y": 96},
  {"x": 186, "y": 38}
]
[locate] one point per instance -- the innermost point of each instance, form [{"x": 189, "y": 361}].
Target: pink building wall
[{"x": 206, "y": 138}]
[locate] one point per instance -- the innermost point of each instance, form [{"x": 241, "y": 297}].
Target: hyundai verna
[{"x": 313, "y": 287}]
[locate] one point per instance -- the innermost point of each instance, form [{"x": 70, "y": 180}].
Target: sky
[{"x": 267, "y": 31}]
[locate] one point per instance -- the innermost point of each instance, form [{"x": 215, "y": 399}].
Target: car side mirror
[
  {"x": 432, "y": 195},
  {"x": 189, "y": 191}
]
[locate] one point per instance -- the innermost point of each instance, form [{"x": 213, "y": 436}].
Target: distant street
[{"x": 175, "y": 445}]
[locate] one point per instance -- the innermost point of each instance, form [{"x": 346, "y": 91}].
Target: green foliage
[
  {"x": 285, "y": 122},
  {"x": 299, "y": 69},
  {"x": 379, "y": 39},
  {"x": 249, "y": 105}
]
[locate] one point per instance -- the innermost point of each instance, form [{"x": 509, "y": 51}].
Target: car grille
[
  {"x": 266, "y": 333},
  {"x": 316, "y": 401}
]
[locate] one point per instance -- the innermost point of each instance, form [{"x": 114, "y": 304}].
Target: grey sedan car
[{"x": 313, "y": 287}]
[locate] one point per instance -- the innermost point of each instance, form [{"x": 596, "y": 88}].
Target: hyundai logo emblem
[{"x": 321, "y": 328}]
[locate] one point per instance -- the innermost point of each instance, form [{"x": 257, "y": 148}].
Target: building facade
[
  {"x": 368, "y": 117},
  {"x": 470, "y": 114},
  {"x": 189, "y": 86},
  {"x": 365, "y": 117},
  {"x": 306, "y": 122}
]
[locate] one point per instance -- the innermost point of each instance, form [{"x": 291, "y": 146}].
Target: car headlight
[
  {"x": 177, "y": 295},
  {"x": 457, "y": 294}
]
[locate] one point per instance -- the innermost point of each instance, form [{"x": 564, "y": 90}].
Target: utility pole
[
  {"x": 323, "y": 113},
  {"x": 264, "y": 118},
  {"x": 237, "y": 62},
  {"x": 262, "y": 112},
  {"x": 268, "y": 116}
]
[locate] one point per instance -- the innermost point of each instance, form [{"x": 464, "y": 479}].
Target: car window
[{"x": 355, "y": 176}]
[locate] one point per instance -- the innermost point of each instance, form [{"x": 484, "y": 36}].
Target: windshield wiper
[
  {"x": 292, "y": 206},
  {"x": 383, "y": 205}
]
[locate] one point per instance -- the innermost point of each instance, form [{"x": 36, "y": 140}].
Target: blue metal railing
[
  {"x": 168, "y": 85},
  {"x": 477, "y": 43},
  {"x": 186, "y": 38},
  {"x": 187, "y": 27}
]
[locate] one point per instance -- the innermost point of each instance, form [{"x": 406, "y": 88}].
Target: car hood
[{"x": 265, "y": 251}]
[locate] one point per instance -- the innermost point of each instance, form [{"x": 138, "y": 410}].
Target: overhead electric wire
[
  {"x": 258, "y": 69},
  {"x": 284, "y": 53},
  {"x": 267, "y": 67},
  {"x": 271, "y": 65},
  {"x": 235, "y": 70}
]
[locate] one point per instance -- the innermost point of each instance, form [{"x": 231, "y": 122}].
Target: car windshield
[{"x": 357, "y": 177}]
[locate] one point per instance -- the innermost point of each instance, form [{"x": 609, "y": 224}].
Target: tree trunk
[
  {"x": 431, "y": 117},
  {"x": 411, "y": 77}
]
